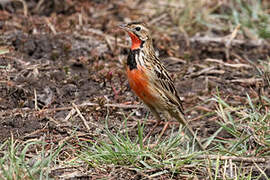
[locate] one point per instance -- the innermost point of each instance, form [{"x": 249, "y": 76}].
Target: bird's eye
[{"x": 138, "y": 28}]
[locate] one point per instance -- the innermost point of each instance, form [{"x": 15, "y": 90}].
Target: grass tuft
[
  {"x": 168, "y": 156},
  {"x": 249, "y": 128},
  {"x": 17, "y": 161}
]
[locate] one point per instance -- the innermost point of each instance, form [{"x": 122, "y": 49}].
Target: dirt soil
[{"x": 62, "y": 57}]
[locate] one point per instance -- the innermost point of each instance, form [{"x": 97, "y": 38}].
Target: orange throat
[{"x": 136, "y": 42}]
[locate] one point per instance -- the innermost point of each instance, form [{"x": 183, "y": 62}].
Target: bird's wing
[{"x": 161, "y": 78}]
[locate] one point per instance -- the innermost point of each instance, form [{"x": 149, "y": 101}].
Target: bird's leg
[
  {"x": 158, "y": 122},
  {"x": 151, "y": 131},
  {"x": 157, "y": 116},
  {"x": 180, "y": 117},
  {"x": 163, "y": 130},
  {"x": 167, "y": 123}
]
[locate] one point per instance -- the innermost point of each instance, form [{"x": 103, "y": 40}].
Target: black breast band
[{"x": 131, "y": 60}]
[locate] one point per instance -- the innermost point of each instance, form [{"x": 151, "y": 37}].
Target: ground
[{"x": 66, "y": 57}]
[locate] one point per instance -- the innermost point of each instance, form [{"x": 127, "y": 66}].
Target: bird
[{"x": 150, "y": 80}]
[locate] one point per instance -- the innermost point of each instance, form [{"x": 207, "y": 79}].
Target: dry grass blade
[
  {"x": 27, "y": 110},
  {"x": 25, "y": 8},
  {"x": 228, "y": 64},
  {"x": 223, "y": 40},
  {"x": 228, "y": 43},
  {"x": 4, "y": 50},
  {"x": 81, "y": 116},
  {"x": 50, "y": 25},
  {"x": 235, "y": 158}
]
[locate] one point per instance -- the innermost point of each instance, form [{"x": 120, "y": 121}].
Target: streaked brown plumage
[{"x": 149, "y": 79}]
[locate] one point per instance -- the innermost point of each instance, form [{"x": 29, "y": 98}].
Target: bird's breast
[{"x": 139, "y": 83}]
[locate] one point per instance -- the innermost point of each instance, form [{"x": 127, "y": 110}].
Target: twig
[
  {"x": 71, "y": 113},
  {"x": 51, "y": 26},
  {"x": 53, "y": 120},
  {"x": 80, "y": 19},
  {"x": 4, "y": 50},
  {"x": 203, "y": 71},
  {"x": 158, "y": 19},
  {"x": 262, "y": 171},
  {"x": 231, "y": 168},
  {"x": 229, "y": 43},
  {"x": 35, "y": 95},
  {"x": 81, "y": 116},
  {"x": 108, "y": 41},
  {"x": 222, "y": 40},
  {"x": 225, "y": 169},
  {"x": 228, "y": 64},
  {"x": 185, "y": 36},
  {"x": 124, "y": 106},
  {"x": 170, "y": 4},
  {"x": 40, "y": 2},
  {"x": 248, "y": 81},
  {"x": 84, "y": 121},
  {"x": 177, "y": 60},
  {"x": 139, "y": 172},
  {"x": 25, "y": 8},
  {"x": 235, "y": 158},
  {"x": 34, "y": 133}
]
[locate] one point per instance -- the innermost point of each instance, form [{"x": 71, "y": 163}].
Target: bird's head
[{"x": 138, "y": 33}]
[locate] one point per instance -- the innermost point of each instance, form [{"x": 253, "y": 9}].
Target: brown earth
[{"x": 54, "y": 62}]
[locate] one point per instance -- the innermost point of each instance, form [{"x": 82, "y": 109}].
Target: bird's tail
[{"x": 190, "y": 132}]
